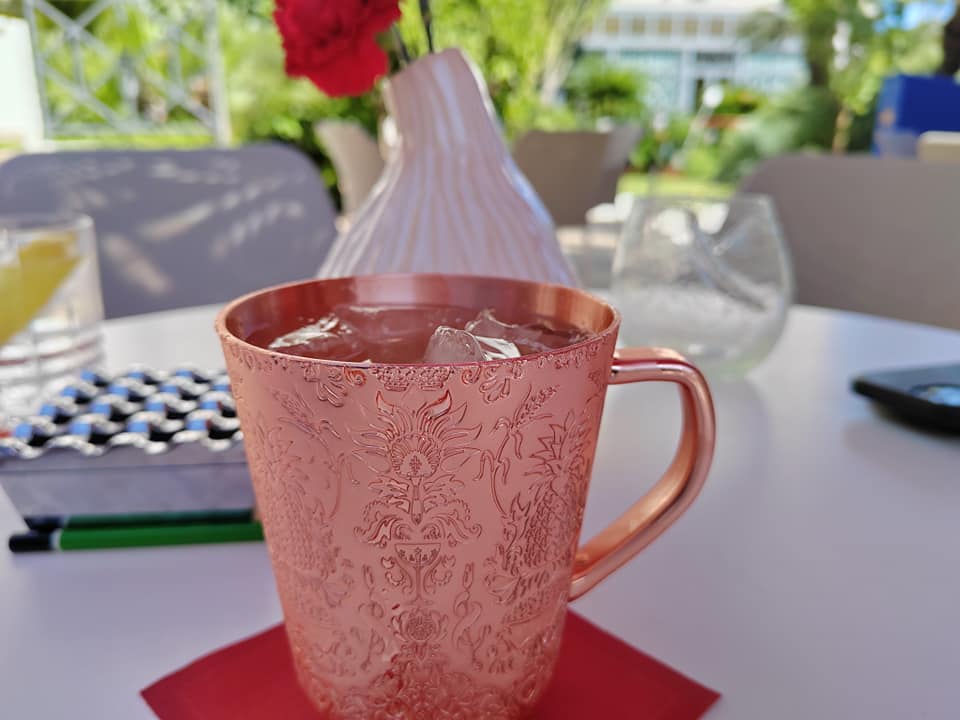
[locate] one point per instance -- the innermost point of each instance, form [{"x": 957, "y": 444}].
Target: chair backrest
[
  {"x": 179, "y": 228},
  {"x": 356, "y": 159},
  {"x": 574, "y": 171},
  {"x": 939, "y": 147},
  {"x": 873, "y": 235}
]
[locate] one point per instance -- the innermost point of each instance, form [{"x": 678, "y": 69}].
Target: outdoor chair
[
  {"x": 181, "y": 228},
  {"x": 872, "y": 235}
]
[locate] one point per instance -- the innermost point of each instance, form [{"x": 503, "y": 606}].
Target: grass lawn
[{"x": 641, "y": 184}]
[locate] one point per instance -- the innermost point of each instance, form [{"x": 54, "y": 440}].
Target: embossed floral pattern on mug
[{"x": 423, "y": 529}]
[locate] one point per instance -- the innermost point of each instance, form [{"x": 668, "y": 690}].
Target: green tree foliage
[
  {"x": 123, "y": 90},
  {"x": 816, "y": 22},
  {"x": 856, "y": 81},
  {"x": 849, "y": 47},
  {"x": 524, "y": 49},
  {"x": 950, "y": 64}
]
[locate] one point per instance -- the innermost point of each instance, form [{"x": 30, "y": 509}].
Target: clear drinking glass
[
  {"x": 50, "y": 305},
  {"x": 708, "y": 277}
]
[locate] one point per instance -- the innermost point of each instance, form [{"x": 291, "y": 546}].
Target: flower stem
[
  {"x": 427, "y": 17},
  {"x": 401, "y": 45}
]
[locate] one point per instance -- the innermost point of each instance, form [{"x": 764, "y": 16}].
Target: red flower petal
[
  {"x": 332, "y": 42},
  {"x": 353, "y": 72}
]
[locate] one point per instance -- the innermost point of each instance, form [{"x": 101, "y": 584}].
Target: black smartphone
[{"x": 928, "y": 396}]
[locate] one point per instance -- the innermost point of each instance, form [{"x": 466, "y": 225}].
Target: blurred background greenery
[{"x": 528, "y": 53}]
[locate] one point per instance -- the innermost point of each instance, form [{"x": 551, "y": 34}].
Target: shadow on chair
[{"x": 180, "y": 228}]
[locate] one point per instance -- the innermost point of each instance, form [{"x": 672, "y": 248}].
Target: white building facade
[{"x": 682, "y": 46}]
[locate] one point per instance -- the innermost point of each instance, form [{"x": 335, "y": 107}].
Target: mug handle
[{"x": 666, "y": 501}]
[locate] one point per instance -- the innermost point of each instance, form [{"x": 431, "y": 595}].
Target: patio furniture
[
  {"x": 575, "y": 171},
  {"x": 874, "y": 235},
  {"x": 936, "y": 146},
  {"x": 179, "y": 228}
]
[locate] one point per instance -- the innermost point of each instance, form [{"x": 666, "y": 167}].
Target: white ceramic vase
[{"x": 450, "y": 199}]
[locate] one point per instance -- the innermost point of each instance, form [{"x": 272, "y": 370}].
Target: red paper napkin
[{"x": 597, "y": 676}]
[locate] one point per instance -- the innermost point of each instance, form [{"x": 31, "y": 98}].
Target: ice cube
[
  {"x": 449, "y": 345},
  {"x": 497, "y": 348},
  {"x": 388, "y": 322},
  {"x": 399, "y": 333},
  {"x": 322, "y": 328},
  {"x": 529, "y": 338},
  {"x": 328, "y": 337},
  {"x": 418, "y": 333}
]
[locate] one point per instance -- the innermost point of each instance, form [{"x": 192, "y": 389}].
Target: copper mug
[{"x": 423, "y": 520}]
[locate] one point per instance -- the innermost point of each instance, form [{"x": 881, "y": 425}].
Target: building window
[
  {"x": 664, "y": 26},
  {"x": 714, "y": 58},
  {"x": 690, "y": 27},
  {"x": 611, "y": 26},
  {"x": 716, "y": 27},
  {"x": 638, "y": 26}
]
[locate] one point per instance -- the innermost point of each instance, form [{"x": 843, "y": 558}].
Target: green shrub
[
  {"x": 798, "y": 120},
  {"x": 702, "y": 162},
  {"x": 658, "y": 144},
  {"x": 739, "y": 100},
  {"x": 596, "y": 89}
]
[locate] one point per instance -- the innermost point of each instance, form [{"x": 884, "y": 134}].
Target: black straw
[
  {"x": 401, "y": 46},
  {"x": 427, "y": 18}
]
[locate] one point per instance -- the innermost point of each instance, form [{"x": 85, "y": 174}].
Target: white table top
[{"x": 815, "y": 577}]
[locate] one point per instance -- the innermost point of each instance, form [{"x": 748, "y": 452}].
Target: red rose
[{"x": 333, "y": 42}]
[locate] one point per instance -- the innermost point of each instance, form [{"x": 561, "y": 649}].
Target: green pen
[
  {"x": 129, "y": 537},
  {"x": 48, "y": 523}
]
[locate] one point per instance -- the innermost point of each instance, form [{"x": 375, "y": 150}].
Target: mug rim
[{"x": 227, "y": 336}]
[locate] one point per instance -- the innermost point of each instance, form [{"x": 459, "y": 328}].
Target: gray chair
[
  {"x": 181, "y": 228},
  {"x": 575, "y": 171},
  {"x": 873, "y": 235},
  {"x": 356, "y": 159}
]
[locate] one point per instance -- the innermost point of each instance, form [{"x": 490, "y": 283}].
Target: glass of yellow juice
[{"x": 50, "y": 306}]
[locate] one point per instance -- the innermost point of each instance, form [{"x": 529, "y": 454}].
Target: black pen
[
  {"x": 47, "y": 523},
  {"x": 131, "y": 536}
]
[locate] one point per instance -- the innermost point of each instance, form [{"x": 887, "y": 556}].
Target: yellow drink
[
  {"x": 31, "y": 277},
  {"x": 50, "y": 306}
]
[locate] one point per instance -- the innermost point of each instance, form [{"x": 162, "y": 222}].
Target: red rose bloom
[{"x": 333, "y": 42}]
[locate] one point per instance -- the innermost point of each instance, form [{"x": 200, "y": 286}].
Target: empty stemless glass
[
  {"x": 708, "y": 277},
  {"x": 50, "y": 305}
]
